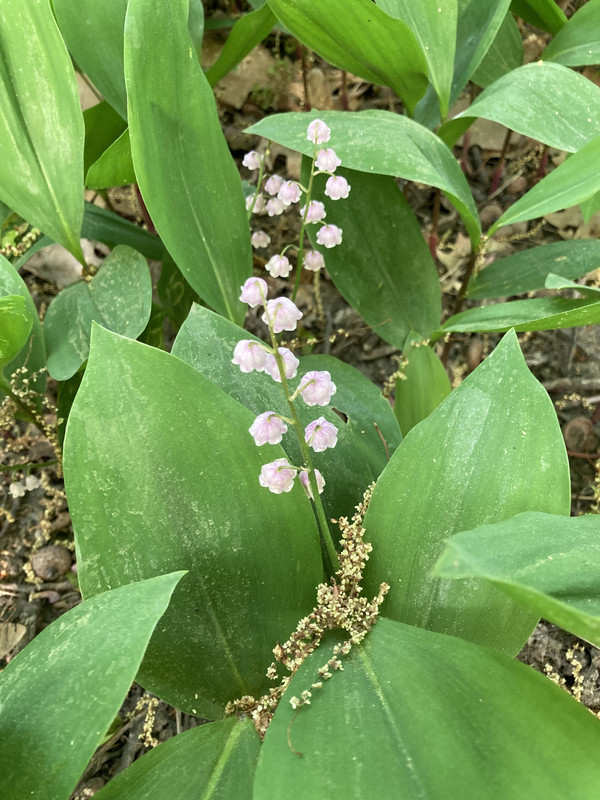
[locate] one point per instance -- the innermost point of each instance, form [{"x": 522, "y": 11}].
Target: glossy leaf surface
[
  {"x": 422, "y": 388},
  {"x": 119, "y": 297},
  {"x": 383, "y": 267},
  {"x": 41, "y": 126},
  {"x": 547, "y": 563},
  {"x": 578, "y": 42},
  {"x": 544, "y": 14},
  {"x": 149, "y": 436},
  {"x": 185, "y": 171},
  {"x": 545, "y": 101},
  {"x": 361, "y": 39},
  {"x": 422, "y": 716},
  {"x": 492, "y": 449},
  {"x": 382, "y": 143},
  {"x": 576, "y": 179},
  {"x": 206, "y": 341},
  {"x": 59, "y": 695},
  {"x": 505, "y": 54},
  {"x": 114, "y": 167},
  {"x": 527, "y": 271},
  {"x": 15, "y": 326},
  {"x": 247, "y": 32},
  {"x": 110, "y": 228},
  {"x": 212, "y": 762}
]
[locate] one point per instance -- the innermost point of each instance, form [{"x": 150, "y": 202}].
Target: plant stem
[{"x": 300, "y": 258}]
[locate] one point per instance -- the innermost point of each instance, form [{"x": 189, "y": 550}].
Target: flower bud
[{"x": 318, "y": 132}]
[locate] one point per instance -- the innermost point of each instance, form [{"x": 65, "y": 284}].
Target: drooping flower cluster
[
  {"x": 278, "y": 195},
  {"x": 316, "y": 389}
]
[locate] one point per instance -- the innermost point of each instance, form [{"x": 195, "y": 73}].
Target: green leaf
[
  {"x": 33, "y": 354},
  {"x": 41, "y": 126},
  {"x": 527, "y": 271},
  {"x": 212, "y": 762},
  {"x": 62, "y": 692},
  {"x": 433, "y": 23},
  {"x": 422, "y": 388},
  {"x": 114, "y": 167},
  {"x": 539, "y": 314},
  {"x": 544, "y": 14},
  {"x": 15, "y": 326},
  {"x": 382, "y": 143},
  {"x": 110, "y": 228},
  {"x": 505, "y": 54},
  {"x": 578, "y": 42},
  {"x": 547, "y": 563},
  {"x": 207, "y": 341},
  {"x": 247, "y": 32},
  {"x": 185, "y": 171},
  {"x": 419, "y": 715},
  {"x": 175, "y": 293},
  {"x": 575, "y": 180},
  {"x": 362, "y": 39},
  {"x": 119, "y": 297},
  {"x": 383, "y": 268},
  {"x": 102, "y": 127},
  {"x": 590, "y": 206},
  {"x": 477, "y": 25},
  {"x": 545, "y": 101},
  {"x": 160, "y": 471},
  {"x": 492, "y": 449}
]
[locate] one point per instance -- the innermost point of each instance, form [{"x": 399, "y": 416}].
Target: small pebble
[
  {"x": 51, "y": 562},
  {"x": 517, "y": 186}
]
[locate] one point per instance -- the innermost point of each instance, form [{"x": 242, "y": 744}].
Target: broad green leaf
[
  {"x": 110, "y": 228},
  {"x": 575, "y": 180},
  {"x": 554, "y": 281},
  {"x": 539, "y": 314},
  {"x": 114, "y": 167},
  {"x": 422, "y": 388},
  {"x": 492, "y": 449},
  {"x": 61, "y": 693},
  {"x": 433, "y": 23},
  {"x": 547, "y": 563},
  {"x": 590, "y": 206},
  {"x": 527, "y": 271},
  {"x": 212, "y": 762},
  {"x": 102, "y": 127},
  {"x": 382, "y": 143},
  {"x": 544, "y": 14},
  {"x": 545, "y": 101},
  {"x": 247, "y": 32},
  {"x": 362, "y": 39},
  {"x": 505, "y": 54},
  {"x": 477, "y": 25},
  {"x": 33, "y": 354},
  {"x": 93, "y": 32},
  {"x": 578, "y": 42},
  {"x": 383, "y": 267},
  {"x": 175, "y": 293},
  {"x": 185, "y": 171},
  {"x": 161, "y": 472},
  {"x": 119, "y": 297},
  {"x": 153, "y": 334},
  {"x": 15, "y": 326},
  {"x": 207, "y": 341},
  {"x": 41, "y": 126},
  {"x": 422, "y": 716}
]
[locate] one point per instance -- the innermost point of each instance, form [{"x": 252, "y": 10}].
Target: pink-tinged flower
[
  {"x": 248, "y": 355},
  {"x": 17, "y": 489},
  {"x": 316, "y": 211},
  {"x": 254, "y": 292},
  {"x": 289, "y": 193},
  {"x": 282, "y": 314},
  {"x": 278, "y": 266},
  {"x": 273, "y": 185},
  {"x": 305, "y": 482},
  {"x": 329, "y": 235},
  {"x": 267, "y": 427},
  {"x": 320, "y": 435},
  {"x": 337, "y": 187},
  {"x": 327, "y": 160},
  {"x": 252, "y": 160},
  {"x": 317, "y": 388},
  {"x": 260, "y": 239},
  {"x": 290, "y": 364},
  {"x": 313, "y": 260},
  {"x": 259, "y": 206},
  {"x": 277, "y": 476},
  {"x": 318, "y": 132},
  {"x": 274, "y": 207}
]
